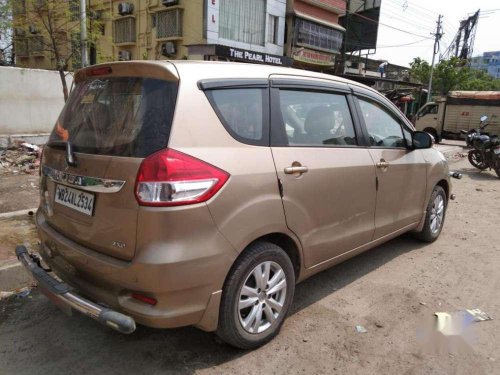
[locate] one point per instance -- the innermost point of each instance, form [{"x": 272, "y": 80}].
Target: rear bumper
[
  {"x": 65, "y": 297},
  {"x": 185, "y": 276}
]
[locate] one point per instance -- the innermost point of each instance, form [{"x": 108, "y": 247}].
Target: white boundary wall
[{"x": 30, "y": 100}]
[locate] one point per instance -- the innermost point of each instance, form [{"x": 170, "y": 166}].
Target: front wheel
[
  {"x": 256, "y": 297},
  {"x": 476, "y": 159},
  {"x": 434, "y": 217}
]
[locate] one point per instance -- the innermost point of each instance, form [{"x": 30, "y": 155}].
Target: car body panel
[
  {"x": 330, "y": 208},
  {"x": 401, "y": 189}
]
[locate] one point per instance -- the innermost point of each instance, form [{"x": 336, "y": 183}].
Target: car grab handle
[
  {"x": 382, "y": 164},
  {"x": 296, "y": 170}
]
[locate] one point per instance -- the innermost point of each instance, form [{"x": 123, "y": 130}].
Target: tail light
[{"x": 172, "y": 178}]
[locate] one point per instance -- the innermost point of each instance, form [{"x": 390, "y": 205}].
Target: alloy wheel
[
  {"x": 437, "y": 214},
  {"x": 262, "y": 297}
]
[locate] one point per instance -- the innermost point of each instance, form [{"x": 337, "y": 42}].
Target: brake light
[
  {"x": 172, "y": 178},
  {"x": 99, "y": 71}
]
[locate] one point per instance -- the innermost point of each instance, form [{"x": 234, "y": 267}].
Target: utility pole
[
  {"x": 437, "y": 37},
  {"x": 340, "y": 70},
  {"x": 83, "y": 31}
]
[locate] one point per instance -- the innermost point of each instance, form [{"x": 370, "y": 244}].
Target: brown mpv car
[{"x": 179, "y": 193}]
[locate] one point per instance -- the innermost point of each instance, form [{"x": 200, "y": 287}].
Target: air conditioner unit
[
  {"x": 124, "y": 56},
  {"x": 33, "y": 29},
  {"x": 168, "y": 49},
  {"x": 169, "y": 3},
  {"x": 19, "y": 32},
  {"x": 125, "y": 8}
]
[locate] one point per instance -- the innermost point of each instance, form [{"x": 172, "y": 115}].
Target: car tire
[
  {"x": 245, "y": 299},
  {"x": 434, "y": 217}
]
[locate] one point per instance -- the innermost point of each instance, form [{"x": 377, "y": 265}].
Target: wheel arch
[
  {"x": 286, "y": 242},
  {"x": 446, "y": 187}
]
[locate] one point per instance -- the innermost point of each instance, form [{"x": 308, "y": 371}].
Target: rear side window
[
  {"x": 316, "y": 119},
  {"x": 118, "y": 116},
  {"x": 241, "y": 110}
]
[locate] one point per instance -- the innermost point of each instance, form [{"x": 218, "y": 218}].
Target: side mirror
[
  {"x": 484, "y": 118},
  {"x": 422, "y": 140}
]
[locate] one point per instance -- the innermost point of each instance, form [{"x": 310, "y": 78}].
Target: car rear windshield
[{"x": 117, "y": 116}]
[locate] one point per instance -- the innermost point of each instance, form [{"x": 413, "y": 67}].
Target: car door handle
[
  {"x": 296, "y": 170},
  {"x": 382, "y": 164}
]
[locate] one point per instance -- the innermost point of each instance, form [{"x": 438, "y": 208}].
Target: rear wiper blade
[{"x": 70, "y": 155}]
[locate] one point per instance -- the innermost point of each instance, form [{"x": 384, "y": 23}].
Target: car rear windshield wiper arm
[{"x": 70, "y": 156}]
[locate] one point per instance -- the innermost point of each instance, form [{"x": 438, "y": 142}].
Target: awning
[{"x": 319, "y": 20}]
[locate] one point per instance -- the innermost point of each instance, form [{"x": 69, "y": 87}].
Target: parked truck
[{"x": 459, "y": 110}]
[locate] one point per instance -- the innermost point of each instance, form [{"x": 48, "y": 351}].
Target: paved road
[{"x": 390, "y": 290}]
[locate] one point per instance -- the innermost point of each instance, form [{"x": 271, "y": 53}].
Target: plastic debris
[
  {"x": 19, "y": 293},
  {"x": 25, "y": 293},
  {"x": 478, "y": 315},
  {"x": 30, "y": 146},
  {"x": 361, "y": 329}
]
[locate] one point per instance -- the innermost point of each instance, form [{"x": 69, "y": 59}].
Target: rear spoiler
[{"x": 163, "y": 70}]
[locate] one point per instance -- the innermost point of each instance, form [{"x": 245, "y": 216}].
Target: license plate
[
  {"x": 497, "y": 150},
  {"x": 76, "y": 199}
]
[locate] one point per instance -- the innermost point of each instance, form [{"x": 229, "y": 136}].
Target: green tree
[
  {"x": 420, "y": 70},
  {"x": 55, "y": 32},
  {"x": 452, "y": 74}
]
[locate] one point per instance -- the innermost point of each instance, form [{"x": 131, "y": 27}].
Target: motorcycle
[{"x": 485, "y": 151}]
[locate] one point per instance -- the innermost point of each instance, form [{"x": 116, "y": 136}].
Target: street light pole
[
  {"x": 437, "y": 37},
  {"x": 83, "y": 31}
]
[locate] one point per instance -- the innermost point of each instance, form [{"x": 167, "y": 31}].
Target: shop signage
[
  {"x": 251, "y": 56},
  {"x": 313, "y": 57}
]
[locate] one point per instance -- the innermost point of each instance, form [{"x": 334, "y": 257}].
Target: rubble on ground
[{"x": 20, "y": 158}]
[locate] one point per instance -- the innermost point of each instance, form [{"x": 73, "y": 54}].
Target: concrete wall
[{"x": 30, "y": 100}]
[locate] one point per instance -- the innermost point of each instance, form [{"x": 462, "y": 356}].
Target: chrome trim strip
[{"x": 92, "y": 184}]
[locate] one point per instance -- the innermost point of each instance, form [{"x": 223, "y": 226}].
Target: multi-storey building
[
  {"x": 299, "y": 32},
  {"x": 489, "y": 62},
  {"x": 314, "y": 36},
  {"x": 133, "y": 29},
  {"x": 243, "y": 30}
]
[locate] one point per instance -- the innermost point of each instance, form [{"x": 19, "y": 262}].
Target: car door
[
  {"x": 327, "y": 177},
  {"x": 401, "y": 171}
]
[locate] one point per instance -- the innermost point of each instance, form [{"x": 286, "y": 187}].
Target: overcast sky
[{"x": 419, "y": 17}]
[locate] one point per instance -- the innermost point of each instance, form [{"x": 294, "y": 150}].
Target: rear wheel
[
  {"x": 257, "y": 296},
  {"x": 476, "y": 159},
  {"x": 434, "y": 218}
]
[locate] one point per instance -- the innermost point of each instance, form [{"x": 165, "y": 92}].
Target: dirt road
[{"x": 390, "y": 290}]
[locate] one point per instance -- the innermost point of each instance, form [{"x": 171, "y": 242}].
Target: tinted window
[
  {"x": 316, "y": 119},
  {"x": 241, "y": 111},
  {"x": 118, "y": 116},
  {"x": 383, "y": 129}
]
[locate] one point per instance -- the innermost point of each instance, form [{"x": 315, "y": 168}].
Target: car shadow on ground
[
  {"x": 476, "y": 174},
  {"x": 82, "y": 341}
]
